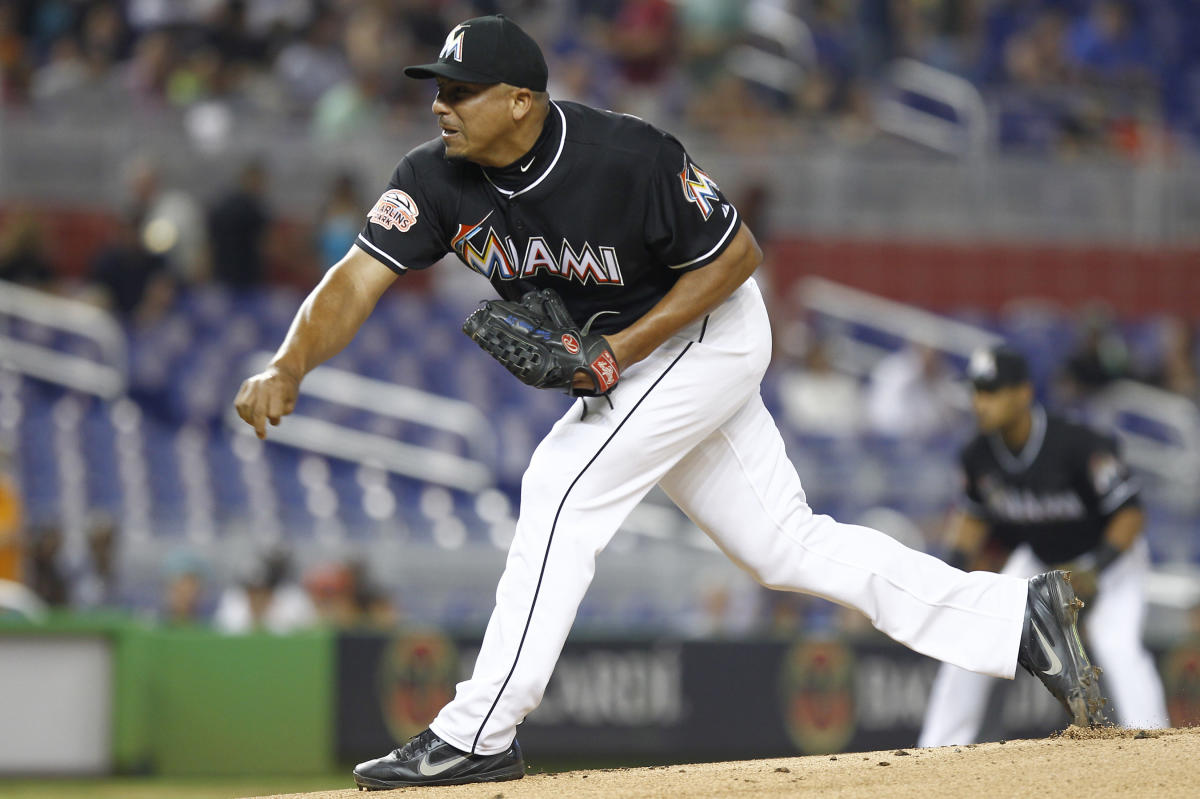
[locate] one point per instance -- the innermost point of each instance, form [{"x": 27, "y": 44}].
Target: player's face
[
  {"x": 474, "y": 117},
  {"x": 996, "y": 410}
]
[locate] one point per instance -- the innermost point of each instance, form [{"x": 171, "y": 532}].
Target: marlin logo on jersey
[
  {"x": 500, "y": 258},
  {"x": 453, "y": 47},
  {"x": 699, "y": 188}
]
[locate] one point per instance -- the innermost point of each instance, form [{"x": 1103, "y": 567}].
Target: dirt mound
[{"x": 1106, "y": 762}]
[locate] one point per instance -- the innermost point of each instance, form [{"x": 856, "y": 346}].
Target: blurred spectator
[
  {"x": 46, "y": 577},
  {"x": 359, "y": 100},
  {"x": 709, "y": 28},
  {"x": 643, "y": 42},
  {"x": 1105, "y": 44},
  {"x": 785, "y": 613},
  {"x": 14, "y": 58},
  {"x": 1101, "y": 357},
  {"x": 97, "y": 587},
  {"x": 171, "y": 222},
  {"x": 313, "y": 64},
  {"x": 238, "y": 224},
  {"x": 912, "y": 395},
  {"x": 341, "y": 219},
  {"x": 228, "y": 30},
  {"x": 1176, "y": 370},
  {"x": 265, "y": 599},
  {"x": 726, "y": 605},
  {"x": 580, "y": 70},
  {"x": 345, "y": 597},
  {"x": 185, "y": 576},
  {"x": 133, "y": 280},
  {"x": 64, "y": 75},
  {"x": 145, "y": 75},
  {"x": 1040, "y": 61},
  {"x": 23, "y": 256},
  {"x": 817, "y": 398}
]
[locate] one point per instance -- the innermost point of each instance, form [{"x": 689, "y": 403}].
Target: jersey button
[{"x": 519, "y": 225}]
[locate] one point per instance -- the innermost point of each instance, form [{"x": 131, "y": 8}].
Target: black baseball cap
[
  {"x": 490, "y": 49},
  {"x": 991, "y": 369}
]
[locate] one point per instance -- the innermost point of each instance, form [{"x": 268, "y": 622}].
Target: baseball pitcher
[{"x": 624, "y": 276}]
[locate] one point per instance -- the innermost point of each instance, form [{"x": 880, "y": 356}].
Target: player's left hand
[{"x": 537, "y": 341}]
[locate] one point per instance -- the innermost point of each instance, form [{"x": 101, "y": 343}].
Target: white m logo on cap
[{"x": 454, "y": 44}]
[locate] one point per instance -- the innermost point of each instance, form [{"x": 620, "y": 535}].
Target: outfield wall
[
  {"x": 186, "y": 701},
  {"x": 100, "y": 696}
]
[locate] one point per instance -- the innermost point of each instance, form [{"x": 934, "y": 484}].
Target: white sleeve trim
[
  {"x": 1118, "y": 495},
  {"x": 717, "y": 246},
  {"x": 381, "y": 253}
]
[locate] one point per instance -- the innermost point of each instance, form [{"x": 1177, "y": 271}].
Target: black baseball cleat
[
  {"x": 1052, "y": 652},
  {"x": 428, "y": 760}
]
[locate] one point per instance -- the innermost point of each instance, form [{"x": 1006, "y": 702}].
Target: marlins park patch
[{"x": 395, "y": 209}]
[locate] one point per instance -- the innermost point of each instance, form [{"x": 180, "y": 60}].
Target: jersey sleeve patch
[
  {"x": 395, "y": 210},
  {"x": 701, "y": 190}
]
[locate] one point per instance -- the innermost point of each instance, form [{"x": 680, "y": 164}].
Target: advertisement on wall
[{"x": 666, "y": 699}]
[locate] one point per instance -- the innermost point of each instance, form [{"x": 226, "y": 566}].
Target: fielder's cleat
[
  {"x": 428, "y": 760},
  {"x": 1052, "y": 652}
]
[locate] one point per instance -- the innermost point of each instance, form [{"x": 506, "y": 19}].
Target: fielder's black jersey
[
  {"x": 1057, "y": 494},
  {"x": 605, "y": 209}
]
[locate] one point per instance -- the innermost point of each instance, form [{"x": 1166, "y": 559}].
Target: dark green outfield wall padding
[{"x": 241, "y": 704}]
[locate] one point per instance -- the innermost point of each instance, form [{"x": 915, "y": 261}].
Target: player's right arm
[
  {"x": 969, "y": 528},
  {"x": 326, "y": 322},
  {"x": 967, "y": 535}
]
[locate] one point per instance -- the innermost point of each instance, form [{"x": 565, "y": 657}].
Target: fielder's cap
[
  {"x": 997, "y": 368},
  {"x": 490, "y": 49}
]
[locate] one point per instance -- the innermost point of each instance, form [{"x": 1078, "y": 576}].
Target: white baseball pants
[
  {"x": 690, "y": 418},
  {"x": 1114, "y": 635}
]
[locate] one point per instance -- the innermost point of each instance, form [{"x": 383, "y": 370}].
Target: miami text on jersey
[
  {"x": 500, "y": 258},
  {"x": 699, "y": 188},
  {"x": 1023, "y": 505}
]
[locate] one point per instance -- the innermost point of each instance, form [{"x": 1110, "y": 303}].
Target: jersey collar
[
  {"x": 1028, "y": 454},
  {"x": 546, "y": 168}
]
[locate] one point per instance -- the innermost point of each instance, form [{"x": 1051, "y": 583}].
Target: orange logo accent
[{"x": 395, "y": 209}]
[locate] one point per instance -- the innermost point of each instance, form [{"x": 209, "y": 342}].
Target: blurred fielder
[{"x": 1056, "y": 494}]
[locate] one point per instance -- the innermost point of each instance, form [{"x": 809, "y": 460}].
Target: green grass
[{"x": 170, "y": 787}]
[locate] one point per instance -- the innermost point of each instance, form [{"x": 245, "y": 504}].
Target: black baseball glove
[{"x": 537, "y": 341}]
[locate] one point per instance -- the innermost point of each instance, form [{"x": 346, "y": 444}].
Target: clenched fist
[{"x": 267, "y": 397}]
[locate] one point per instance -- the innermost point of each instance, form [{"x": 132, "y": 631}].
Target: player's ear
[{"x": 522, "y": 103}]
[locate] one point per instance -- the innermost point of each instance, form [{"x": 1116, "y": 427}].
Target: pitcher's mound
[{"x": 1092, "y": 763}]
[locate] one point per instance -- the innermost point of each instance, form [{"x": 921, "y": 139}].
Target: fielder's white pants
[
  {"x": 1114, "y": 635},
  {"x": 690, "y": 418}
]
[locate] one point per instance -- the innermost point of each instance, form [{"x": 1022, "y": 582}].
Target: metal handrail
[
  {"x": 1176, "y": 461},
  {"x": 398, "y": 402},
  {"x": 825, "y": 297},
  {"x": 107, "y": 379},
  {"x": 969, "y": 136}
]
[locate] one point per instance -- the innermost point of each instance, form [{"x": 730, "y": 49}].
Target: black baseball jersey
[
  {"x": 1057, "y": 494},
  {"x": 605, "y": 209}
]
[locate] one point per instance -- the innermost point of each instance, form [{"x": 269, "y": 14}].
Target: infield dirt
[{"x": 1089, "y": 763}]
